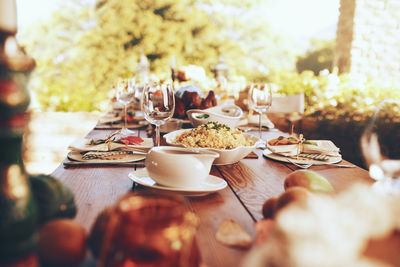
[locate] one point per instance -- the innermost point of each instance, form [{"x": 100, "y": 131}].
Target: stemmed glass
[
  {"x": 381, "y": 147},
  {"x": 158, "y": 105},
  {"x": 125, "y": 92},
  {"x": 260, "y": 100}
]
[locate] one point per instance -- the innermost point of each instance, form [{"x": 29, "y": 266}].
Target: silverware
[
  {"x": 91, "y": 164},
  {"x": 314, "y": 156},
  {"x": 308, "y": 165},
  {"x": 249, "y": 129},
  {"x": 302, "y": 166}
]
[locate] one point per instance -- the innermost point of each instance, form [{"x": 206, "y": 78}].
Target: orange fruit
[
  {"x": 295, "y": 195},
  {"x": 268, "y": 208},
  {"x": 62, "y": 242}
]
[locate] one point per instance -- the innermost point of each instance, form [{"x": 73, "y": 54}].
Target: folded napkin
[
  {"x": 110, "y": 118},
  {"x": 83, "y": 144},
  {"x": 325, "y": 147},
  {"x": 253, "y": 120}
]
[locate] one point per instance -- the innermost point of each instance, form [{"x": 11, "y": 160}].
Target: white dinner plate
[
  {"x": 77, "y": 156},
  {"x": 332, "y": 159},
  {"x": 83, "y": 144},
  {"x": 210, "y": 185}
]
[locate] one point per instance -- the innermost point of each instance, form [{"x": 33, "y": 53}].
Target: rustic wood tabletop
[{"x": 250, "y": 182}]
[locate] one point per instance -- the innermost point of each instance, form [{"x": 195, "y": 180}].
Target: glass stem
[
  {"x": 125, "y": 116},
  {"x": 158, "y": 135},
  {"x": 259, "y": 124}
]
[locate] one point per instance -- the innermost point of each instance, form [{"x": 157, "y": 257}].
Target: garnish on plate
[
  {"x": 105, "y": 155},
  {"x": 291, "y": 140},
  {"x": 128, "y": 140}
]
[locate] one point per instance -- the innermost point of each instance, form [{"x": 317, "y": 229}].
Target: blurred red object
[
  {"x": 150, "y": 230},
  {"x": 131, "y": 140}
]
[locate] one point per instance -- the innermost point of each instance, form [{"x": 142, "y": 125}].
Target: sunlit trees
[
  {"x": 82, "y": 49},
  {"x": 319, "y": 57}
]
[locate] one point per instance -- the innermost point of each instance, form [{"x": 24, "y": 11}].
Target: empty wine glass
[
  {"x": 158, "y": 105},
  {"x": 381, "y": 147},
  {"x": 260, "y": 99},
  {"x": 125, "y": 92}
]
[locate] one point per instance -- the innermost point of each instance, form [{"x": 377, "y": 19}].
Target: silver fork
[
  {"x": 302, "y": 166},
  {"x": 308, "y": 165}
]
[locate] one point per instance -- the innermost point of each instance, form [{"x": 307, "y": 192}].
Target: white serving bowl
[
  {"x": 226, "y": 156},
  {"x": 226, "y": 114},
  {"x": 179, "y": 167}
]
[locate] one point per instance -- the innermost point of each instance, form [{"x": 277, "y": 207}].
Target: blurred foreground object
[
  {"x": 150, "y": 230},
  {"x": 334, "y": 230},
  {"x": 18, "y": 213},
  {"x": 381, "y": 147}
]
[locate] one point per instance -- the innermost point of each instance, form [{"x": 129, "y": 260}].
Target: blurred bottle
[
  {"x": 174, "y": 73},
  {"x": 221, "y": 71},
  {"x": 150, "y": 231},
  {"x": 142, "y": 70},
  {"x": 18, "y": 214}
]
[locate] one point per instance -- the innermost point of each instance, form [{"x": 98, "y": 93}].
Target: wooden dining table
[{"x": 251, "y": 181}]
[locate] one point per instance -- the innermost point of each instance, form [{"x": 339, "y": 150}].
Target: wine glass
[
  {"x": 125, "y": 92},
  {"x": 260, "y": 99},
  {"x": 158, "y": 105},
  {"x": 380, "y": 147}
]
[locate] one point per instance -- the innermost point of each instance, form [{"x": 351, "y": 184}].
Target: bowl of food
[
  {"x": 226, "y": 114},
  {"x": 231, "y": 144}
]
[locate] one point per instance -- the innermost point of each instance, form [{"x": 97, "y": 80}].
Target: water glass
[
  {"x": 260, "y": 100},
  {"x": 158, "y": 105},
  {"x": 125, "y": 92}
]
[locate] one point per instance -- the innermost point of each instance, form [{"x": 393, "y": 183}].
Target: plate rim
[
  {"x": 99, "y": 161},
  {"x": 132, "y": 177}
]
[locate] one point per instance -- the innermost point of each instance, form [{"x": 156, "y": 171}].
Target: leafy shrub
[{"x": 318, "y": 58}]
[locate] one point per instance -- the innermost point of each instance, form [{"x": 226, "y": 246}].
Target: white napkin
[
  {"x": 325, "y": 147},
  {"x": 110, "y": 118},
  {"x": 253, "y": 120},
  {"x": 83, "y": 144}
]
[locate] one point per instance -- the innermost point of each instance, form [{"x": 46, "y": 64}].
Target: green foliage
[
  {"x": 318, "y": 58},
  {"x": 336, "y": 97},
  {"x": 86, "y": 48}
]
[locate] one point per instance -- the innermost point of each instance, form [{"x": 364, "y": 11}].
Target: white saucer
[
  {"x": 210, "y": 185},
  {"x": 334, "y": 159}
]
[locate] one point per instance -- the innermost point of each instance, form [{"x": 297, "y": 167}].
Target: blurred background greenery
[{"x": 84, "y": 46}]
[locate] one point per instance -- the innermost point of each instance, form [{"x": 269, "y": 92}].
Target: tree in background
[
  {"x": 319, "y": 57},
  {"x": 83, "y": 49},
  {"x": 247, "y": 24}
]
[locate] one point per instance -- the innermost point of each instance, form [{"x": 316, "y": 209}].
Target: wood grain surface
[{"x": 250, "y": 182}]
